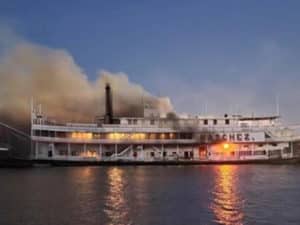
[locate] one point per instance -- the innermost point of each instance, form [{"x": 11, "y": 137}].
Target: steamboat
[{"x": 156, "y": 139}]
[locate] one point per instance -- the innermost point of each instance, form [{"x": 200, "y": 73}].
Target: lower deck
[{"x": 222, "y": 152}]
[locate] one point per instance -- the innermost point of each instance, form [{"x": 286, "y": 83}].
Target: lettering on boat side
[{"x": 233, "y": 137}]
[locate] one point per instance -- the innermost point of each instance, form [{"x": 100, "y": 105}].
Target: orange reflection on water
[
  {"x": 227, "y": 204},
  {"x": 116, "y": 206}
]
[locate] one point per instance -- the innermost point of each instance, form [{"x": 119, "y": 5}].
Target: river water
[{"x": 151, "y": 195}]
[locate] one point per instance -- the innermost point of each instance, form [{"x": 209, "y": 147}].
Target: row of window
[
  {"x": 215, "y": 122},
  {"x": 276, "y": 152},
  {"x": 113, "y": 136},
  {"x": 205, "y": 121}
]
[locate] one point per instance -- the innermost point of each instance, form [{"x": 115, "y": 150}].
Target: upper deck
[
  {"x": 162, "y": 124},
  {"x": 158, "y": 130}
]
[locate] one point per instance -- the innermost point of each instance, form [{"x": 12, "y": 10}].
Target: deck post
[
  {"x": 142, "y": 149},
  {"x": 100, "y": 151},
  {"x": 69, "y": 150},
  {"x": 84, "y": 149},
  {"x": 36, "y": 150},
  {"x": 53, "y": 149}
]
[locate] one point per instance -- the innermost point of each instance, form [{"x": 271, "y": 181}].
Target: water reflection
[
  {"x": 116, "y": 207},
  {"x": 227, "y": 204}
]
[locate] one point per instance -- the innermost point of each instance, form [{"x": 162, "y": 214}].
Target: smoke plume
[{"x": 53, "y": 79}]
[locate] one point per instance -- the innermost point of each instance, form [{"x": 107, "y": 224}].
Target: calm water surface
[{"x": 151, "y": 195}]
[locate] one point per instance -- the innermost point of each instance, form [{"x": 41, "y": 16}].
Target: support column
[
  {"x": 100, "y": 151},
  {"x": 267, "y": 150},
  {"x": 84, "y": 149},
  {"x": 36, "y": 146},
  {"x": 69, "y": 150},
  {"x": 53, "y": 149},
  {"x": 207, "y": 152},
  {"x": 142, "y": 150}
]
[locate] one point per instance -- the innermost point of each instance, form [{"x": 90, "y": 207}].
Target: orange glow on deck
[
  {"x": 82, "y": 135},
  {"x": 226, "y": 146},
  {"x": 129, "y": 136},
  {"x": 225, "y": 149},
  {"x": 89, "y": 154}
]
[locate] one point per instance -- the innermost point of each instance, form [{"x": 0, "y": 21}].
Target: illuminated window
[
  {"x": 152, "y": 136},
  {"x": 172, "y": 136},
  {"x": 162, "y": 136}
]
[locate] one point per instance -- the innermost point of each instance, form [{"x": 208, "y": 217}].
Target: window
[
  {"x": 37, "y": 133},
  {"x": 263, "y": 152},
  {"x": 151, "y": 122},
  {"x": 227, "y": 121},
  {"x": 61, "y": 134},
  {"x": 44, "y": 133},
  {"x": 215, "y": 122},
  {"x": 245, "y": 153},
  {"x": 287, "y": 150},
  {"x": 152, "y": 154},
  {"x": 108, "y": 154},
  {"x": 191, "y": 155},
  {"x": 205, "y": 122},
  {"x": 186, "y": 155}
]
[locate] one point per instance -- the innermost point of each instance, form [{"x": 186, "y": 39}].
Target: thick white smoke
[{"x": 53, "y": 79}]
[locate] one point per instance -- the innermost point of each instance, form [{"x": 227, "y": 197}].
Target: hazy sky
[{"x": 229, "y": 55}]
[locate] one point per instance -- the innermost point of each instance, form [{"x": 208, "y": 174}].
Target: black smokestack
[{"x": 108, "y": 105}]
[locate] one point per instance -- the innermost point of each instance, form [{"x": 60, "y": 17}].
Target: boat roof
[{"x": 260, "y": 118}]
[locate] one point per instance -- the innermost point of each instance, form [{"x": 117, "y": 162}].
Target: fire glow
[
  {"x": 81, "y": 135},
  {"x": 226, "y": 147},
  {"x": 131, "y": 136}
]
